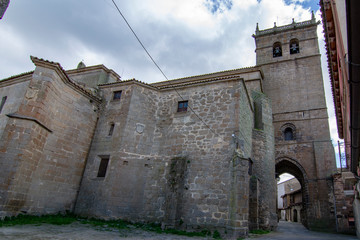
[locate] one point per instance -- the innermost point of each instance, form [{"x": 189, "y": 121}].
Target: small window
[
  {"x": 111, "y": 130},
  {"x": 294, "y": 46},
  {"x": 288, "y": 134},
  {"x": 3, "y": 100},
  {"x": 103, "y": 166},
  {"x": 182, "y": 106},
  {"x": 117, "y": 95}
]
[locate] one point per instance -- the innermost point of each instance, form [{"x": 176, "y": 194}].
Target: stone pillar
[
  {"x": 264, "y": 163},
  {"x": 239, "y": 198},
  {"x": 254, "y": 203}
]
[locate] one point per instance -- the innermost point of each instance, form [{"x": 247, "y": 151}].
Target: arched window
[
  {"x": 277, "y": 51},
  {"x": 288, "y": 131},
  {"x": 294, "y": 46},
  {"x": 288, "y": 134}
]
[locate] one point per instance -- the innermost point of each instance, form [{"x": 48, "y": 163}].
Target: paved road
[{"x": 296, "y": 231}]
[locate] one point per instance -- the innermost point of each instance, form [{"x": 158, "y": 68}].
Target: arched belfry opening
[{"x": 293, "y": 208}]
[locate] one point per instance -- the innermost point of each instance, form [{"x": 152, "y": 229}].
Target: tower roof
[{"x": 293, "y": 25}]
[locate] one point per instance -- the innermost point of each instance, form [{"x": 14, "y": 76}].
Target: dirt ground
[{"x": 78, "y": 231}]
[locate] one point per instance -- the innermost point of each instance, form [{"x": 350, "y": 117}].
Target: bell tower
[{"x": 290, "y": 60}]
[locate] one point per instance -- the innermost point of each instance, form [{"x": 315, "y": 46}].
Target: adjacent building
[
  {"x": 289, "y": 200},
  {"x": 340, "y": 21}
]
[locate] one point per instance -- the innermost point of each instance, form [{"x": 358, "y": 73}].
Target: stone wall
[
  {"x": 153, "y": 144},
  {"x": 45, "y": 145},
  {"x": 344, "y": 198},
  {"x": 263, "y": 166},
  {"x": 120, "y": 194},
  {"x": 294, "y": 84},
  {"x": 3, "y": 6}
]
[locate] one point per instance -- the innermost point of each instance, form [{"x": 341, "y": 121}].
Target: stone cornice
[
  {"x": 64, "y": 77},
  {"x": 127, "y": 82},
  {"x": 205, "y": 77},
  {"x": 228, "y": 75},
  {"x": 331, "y": 52},
  {"x": 289, "y": 59},
  {"x": 19, "y": 116},
  {"x": 199, "y": 82},
  {"x": 292, "y": 26},
  {"x": 94, "y": 68},
  {"x": 16, "y": 79}
]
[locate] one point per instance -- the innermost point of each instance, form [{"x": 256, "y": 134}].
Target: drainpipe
[{"x": 340, "y": 156}]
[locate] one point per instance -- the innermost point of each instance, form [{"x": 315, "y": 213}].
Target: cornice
[{"x": 64, "y": 77}]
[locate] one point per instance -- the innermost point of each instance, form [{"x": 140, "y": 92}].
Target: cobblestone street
[{"x": 296, "y": 231}]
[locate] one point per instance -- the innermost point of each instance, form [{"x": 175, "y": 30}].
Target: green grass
[
  {"x": 63, "y": 219},
  {"x": 259, "y": 231},
  {"x": 56, "y": 219}
]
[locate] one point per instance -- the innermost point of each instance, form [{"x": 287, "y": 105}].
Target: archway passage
[
  {"x": 289, "y": 198},
  {"x": 295, "y": 169}
]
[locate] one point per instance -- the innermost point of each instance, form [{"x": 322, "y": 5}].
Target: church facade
[{"x": 191, "y": 153}]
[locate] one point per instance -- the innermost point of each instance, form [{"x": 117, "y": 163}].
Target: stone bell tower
[{"x": 290, "y": 60}]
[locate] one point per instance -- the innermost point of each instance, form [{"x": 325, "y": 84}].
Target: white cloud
[{"x": 184, "y": 38}]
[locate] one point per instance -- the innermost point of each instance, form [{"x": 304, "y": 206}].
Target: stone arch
[
  {"x": 288, "y": 165},
  {"x": 277, "y": 50},
  {"x": 294, "y": 46}
]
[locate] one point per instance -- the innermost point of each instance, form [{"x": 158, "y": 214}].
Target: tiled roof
[
  {"x": 206, "y": 80},
  {"x": 208, "y": 77},
  {"x": 17, "y": 76},
  {"x": 182, "y": 82},
  {"x": 330, "y": 45}
]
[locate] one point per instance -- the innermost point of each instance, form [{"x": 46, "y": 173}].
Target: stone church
[{"x": 190, "y": 153}]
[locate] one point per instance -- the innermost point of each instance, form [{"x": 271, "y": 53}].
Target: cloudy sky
[{"x": 185, "y": 38}]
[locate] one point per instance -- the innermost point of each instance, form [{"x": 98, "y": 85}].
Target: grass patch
[
  {"x": 259, "y": 231},
  {"x": 216, "y": 235},
  {"x": 56, "y": 219},
  {"x": 107, "y": 225}
]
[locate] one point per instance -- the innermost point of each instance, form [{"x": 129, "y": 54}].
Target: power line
[
  {"x": 142, "y": 45},
  {"x": 192, "y": 110}
]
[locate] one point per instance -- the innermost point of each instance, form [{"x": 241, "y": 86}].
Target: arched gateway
[{"x": 288, "y": 165}]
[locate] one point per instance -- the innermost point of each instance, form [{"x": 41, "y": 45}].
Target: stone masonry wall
[
  {"x": 47, "y": 143},
  {"x": 120, "y": 194},
  {"x": 263, "y": 173},
  {"x": 149, "y": 134},
  {"x": 294, "y": 84}
]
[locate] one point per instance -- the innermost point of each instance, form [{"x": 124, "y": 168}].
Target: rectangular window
[
  {"x": 103, "y": 166},
  {"x": 111, "y": 130},
  {"x": 182, "y": 106},
  {"x": 117, "y": 95},
  {"x": 3, "y": 100}
]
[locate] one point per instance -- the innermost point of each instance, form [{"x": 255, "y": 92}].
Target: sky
[{"x": 185, "y": 38}]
